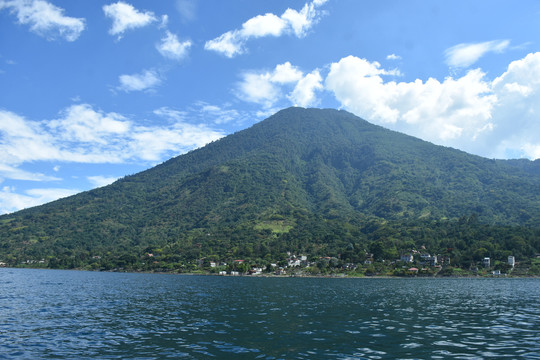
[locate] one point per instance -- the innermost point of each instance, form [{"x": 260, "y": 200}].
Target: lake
[{"x": 54, "y": 314}]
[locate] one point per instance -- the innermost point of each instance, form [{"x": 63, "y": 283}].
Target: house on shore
[
  {"x": 511, "y": 261},
  {"x": 407, "y": 257}
]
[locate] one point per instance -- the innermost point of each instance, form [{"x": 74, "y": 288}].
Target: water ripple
[{"x": 66, "y": 315}]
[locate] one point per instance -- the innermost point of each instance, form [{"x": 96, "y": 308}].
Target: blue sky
[{"x": 91, "y": 91}]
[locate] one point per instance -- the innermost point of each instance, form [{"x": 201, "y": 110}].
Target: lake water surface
[{"x": 49, "y": 314}]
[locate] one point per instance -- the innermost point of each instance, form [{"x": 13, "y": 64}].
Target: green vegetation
[{"x": 322, "y": 183}]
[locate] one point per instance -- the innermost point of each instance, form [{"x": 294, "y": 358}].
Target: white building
[
  {"x": 486, "y": 262},
  {"x": 407, "y": 257},
  {"x": 511, "y": 261}
]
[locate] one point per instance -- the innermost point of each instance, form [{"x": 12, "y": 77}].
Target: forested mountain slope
[{"x": 299, "y": 169}]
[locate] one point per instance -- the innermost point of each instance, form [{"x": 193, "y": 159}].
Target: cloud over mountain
[{"x": 494, "y": 117}]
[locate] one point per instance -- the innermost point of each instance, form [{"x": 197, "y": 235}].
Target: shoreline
[{"x": 333, "y": 276}]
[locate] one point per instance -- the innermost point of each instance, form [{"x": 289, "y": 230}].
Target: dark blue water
[{"x": 46, "y": 314}]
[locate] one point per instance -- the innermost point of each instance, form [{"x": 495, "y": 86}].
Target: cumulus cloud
[
  {"x": 170, "y": 47},
  {"x": 293, "y": 22},
  {"x": 82, "y": 124},
  {"x": 258, "y": 88},
  {"x": 264, "y": 87},
  {"x": 85, "y": 135},
  {"x": 491, "y": 118},
  {"x": 147, "y": 80},
  {"x": 229, "y": 44},
  {"x": 464, "y": 55},
  {"x": 285, "y": 73},
  {"x": 393, "y": 57},
  {"x": 45, "y": 19},
  {"x": 430, "y": 110},
  {"x": 11, "y": 200},
  {"x": 21, "y": 139},
  {"x": 268, "y": 87},
  {"x": 126, "y": 17},
  {"x": 263, "y": 25},
  {"x": 304, "y": 91},
  {"x": 517, "y": 113}
]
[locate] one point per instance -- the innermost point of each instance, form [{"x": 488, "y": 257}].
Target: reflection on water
[{"x": 69, "y": 314}]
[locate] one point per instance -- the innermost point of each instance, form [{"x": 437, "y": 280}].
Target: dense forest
[{"x": 321, "y": 183}]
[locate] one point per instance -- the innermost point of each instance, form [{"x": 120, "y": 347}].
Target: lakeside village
[{"x": 411, "y": 264}]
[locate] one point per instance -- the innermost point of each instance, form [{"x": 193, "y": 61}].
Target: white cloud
[
  {"x": 531, "y": 150},
  {"x": 150, "y": 143},
  {"x": 11, "y": 201},
  {"x": 21, "y": 139},
  {"x": 267, "y": 88},
  {"x": 464, "y": 55},
  {"x": 82, "y": 124},
  {"x": 263, "y": 87},
  {"x": 10, "y": 172},
  {"x": 263, "y": 25},
  {"x": 85, "y": 135},
  {"x": 258, "y": 88},
  {"x": 430, "y": 110},
  {"x": 517, "y": 114},
  {"x": 393, "y": 57},
  {"x": 45, "y": 19},
  {"x": 229, "y": 44},
  {"x": 146, "y": 80},
  {"x": 99, "y": 181},
  {"x": 286, "y": 73},
  {"x": 126, "y": 17},
  {"x": 291, "y": 21},
  {"x": 171, "y": 48},
  {"x": 304, "y": 91},
  {"x": 491, "y": 118},
  {"x": 301, "y": 21}
]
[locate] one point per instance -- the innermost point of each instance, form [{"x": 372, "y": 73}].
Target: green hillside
[{"x": 321, "y": 182}]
